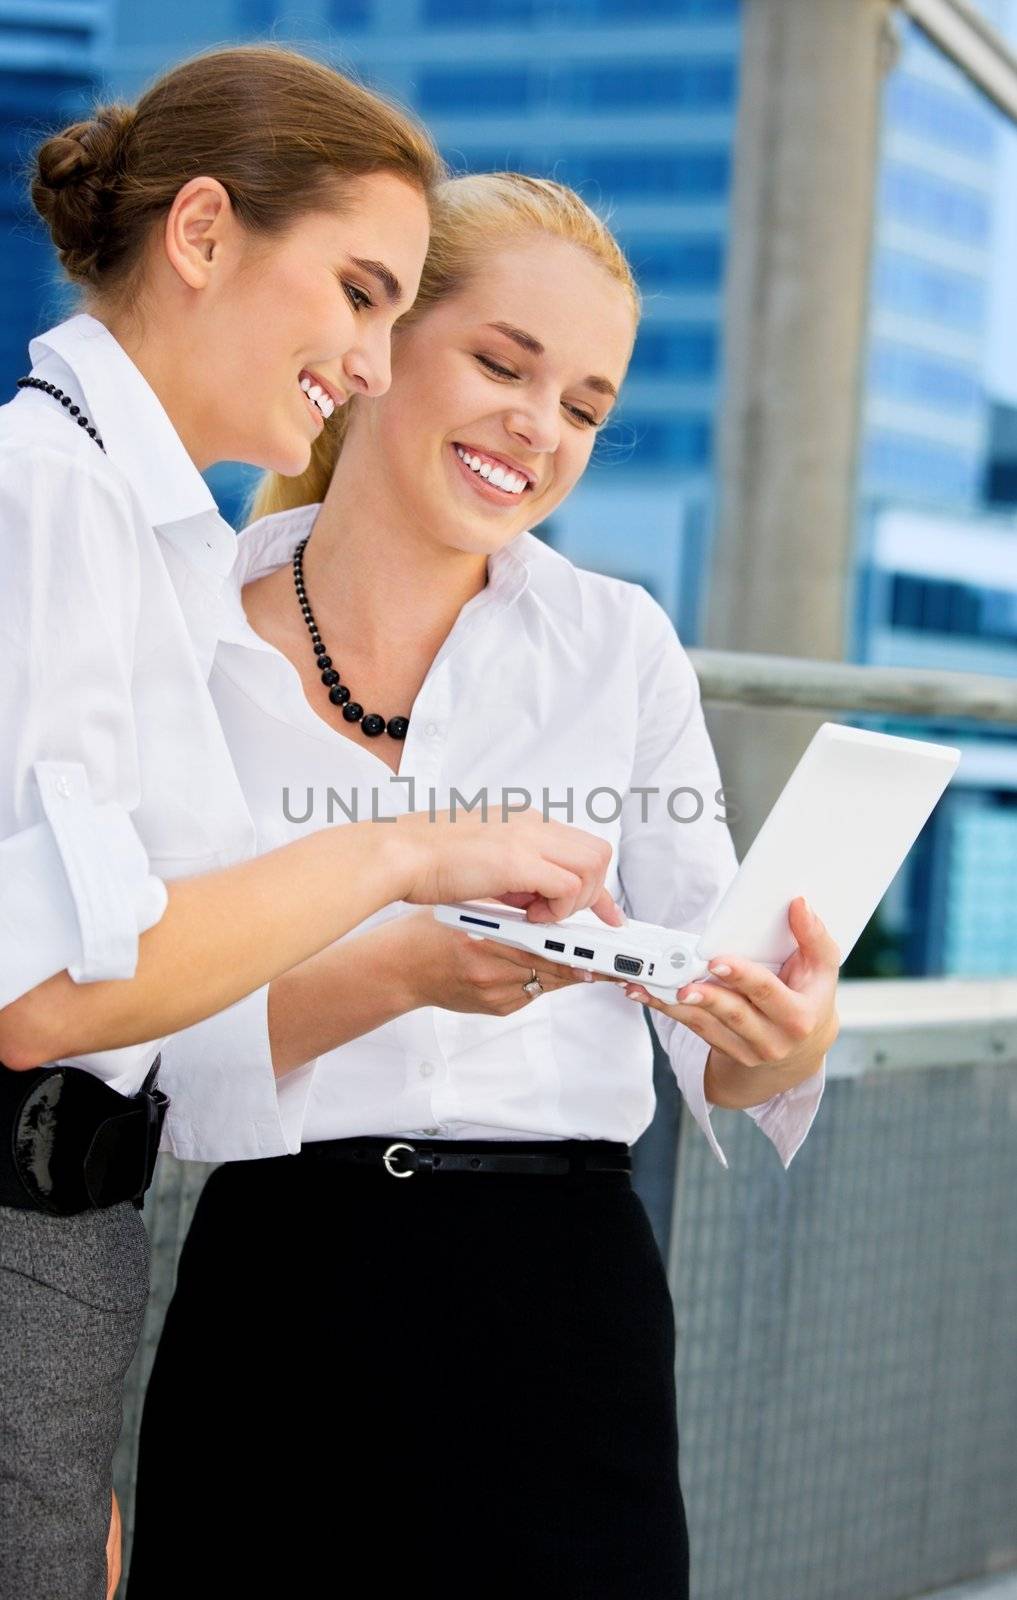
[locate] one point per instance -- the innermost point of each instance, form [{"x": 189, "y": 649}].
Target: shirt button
[
  {"x": 432, "y": 730},
  {"x": 427, "y": 1069},
  {"x": 432, "y": 1133},
  {"x": 63, "y": 787}
]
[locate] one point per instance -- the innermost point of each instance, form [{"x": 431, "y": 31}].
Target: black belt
[
  {"x": 406, "y": 1158},
  {"x": 70, "y": 1143}
]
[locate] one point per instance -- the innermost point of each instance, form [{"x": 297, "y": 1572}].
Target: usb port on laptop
[
  {"x": 579, "y": 951},
  {"x": 552, "y": 944}
]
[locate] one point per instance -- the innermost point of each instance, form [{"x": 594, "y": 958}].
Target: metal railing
[{"x": 786, "y": 682}]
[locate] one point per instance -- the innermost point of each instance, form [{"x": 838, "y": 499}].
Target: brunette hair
[
  {"x": 472, "y": 217},
  {"x": 280, "y": 131}
]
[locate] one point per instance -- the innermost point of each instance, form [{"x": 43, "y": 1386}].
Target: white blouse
[
  {"x": 115, "y": 773},
  {"x": 553, "y": 682}
]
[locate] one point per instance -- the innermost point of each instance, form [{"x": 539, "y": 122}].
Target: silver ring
[
  {"x": 534, "y": 986},
  {"x": 390, "y": 1152}
]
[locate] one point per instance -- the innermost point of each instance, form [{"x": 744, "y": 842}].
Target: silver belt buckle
[{"x": 388, "y": 1160}]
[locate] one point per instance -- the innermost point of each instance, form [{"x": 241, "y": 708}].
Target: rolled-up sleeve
[
  {"x": 674, "y": 872},
  {"x": 76, "y": 887}
]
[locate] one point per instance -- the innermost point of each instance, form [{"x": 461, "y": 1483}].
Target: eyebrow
[
  {"x": 388, "y": 280},
  {"x": 527, "y": 342}
]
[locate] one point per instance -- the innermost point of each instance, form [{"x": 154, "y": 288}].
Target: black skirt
[{"x": 460, "y": 1380}]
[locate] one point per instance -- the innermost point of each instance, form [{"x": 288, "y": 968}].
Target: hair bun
[{"x": 74, "y": 186}]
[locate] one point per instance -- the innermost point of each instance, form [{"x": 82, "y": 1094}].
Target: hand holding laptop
[{"x": 767, "y": 1031}]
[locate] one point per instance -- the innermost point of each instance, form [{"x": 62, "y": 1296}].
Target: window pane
[
  {"x": 655, "y": 86},
  {"x": 669, "y": 441},
  {"x": 936, "y": 114},
  {"x": 924, "y": 289},
  {"x": 670, "y": 263},
  {"x": 496, "y": 12},
  {"x": 678, "y": 174},
  {"x": 679, "y": 352},
  {"x": 477, "y": 90},
  {"x": 917, "y": 468},
  {"x": 921, "y": 199},
  {"x": 926, "y": 379}
]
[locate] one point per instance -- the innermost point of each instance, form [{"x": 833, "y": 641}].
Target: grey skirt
[{"x": 72, "y": 1300}]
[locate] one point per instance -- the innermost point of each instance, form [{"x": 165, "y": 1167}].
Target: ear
[{"x": 197, "y": 226}]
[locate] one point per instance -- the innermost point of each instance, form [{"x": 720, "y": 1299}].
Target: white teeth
[
  {"x": 318, "y": 397},
  {"x": 502, "y": 477}
]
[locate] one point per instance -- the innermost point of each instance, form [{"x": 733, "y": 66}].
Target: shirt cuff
[
  {"x": 107, "y": 872},
  {"x": 785, "y": 1118},
  {"x": 688, "y": 1054},
  {"x": 224, "y": 1096},
  {"x": 40, "y": 925},
  {"x": 788, "y": 1116}
]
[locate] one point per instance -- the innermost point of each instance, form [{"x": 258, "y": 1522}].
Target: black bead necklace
[
  {"x": 65, "y": 400},
  {"x": 372, "y": 724}
]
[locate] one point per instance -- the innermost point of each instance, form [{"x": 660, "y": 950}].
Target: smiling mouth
[
  {"x": 318, "y": 399},
  {"x": 513, "y": 485}
]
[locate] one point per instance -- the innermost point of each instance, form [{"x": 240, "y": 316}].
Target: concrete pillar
[{"x": 795, "y": 328}]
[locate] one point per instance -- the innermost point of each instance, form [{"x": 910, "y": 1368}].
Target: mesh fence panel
[{"x": 847, "y": 1343}]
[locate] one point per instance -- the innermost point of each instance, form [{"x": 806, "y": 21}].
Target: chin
[
  {"x": 289, "y": 459},
  {"x": 482, "y": 541}
]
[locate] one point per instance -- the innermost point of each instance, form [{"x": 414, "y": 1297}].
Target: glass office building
[
  {"x": 51, "y": 57},
  {"x": 937, "y": 541}
]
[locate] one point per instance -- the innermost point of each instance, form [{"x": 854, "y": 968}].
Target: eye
[
  {"x": 357, "y": 298},
  {"x": 582, "y": 416},
  {"x": 492, "y": 366}
]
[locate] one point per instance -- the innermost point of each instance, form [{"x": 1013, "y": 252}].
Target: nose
[
  {"x": 368, "y": 366},
  {"x": 536, "y": 426}
]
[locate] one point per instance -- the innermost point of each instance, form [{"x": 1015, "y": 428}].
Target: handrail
[
  {"x": 793, "y": 682},
  {"x": 904, "y": 1024},
  {"x": 969, "y": 40}
]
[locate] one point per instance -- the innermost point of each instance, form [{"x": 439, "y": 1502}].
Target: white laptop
[{"x": 838, "y": 834}]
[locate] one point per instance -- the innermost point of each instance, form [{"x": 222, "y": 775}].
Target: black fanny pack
[{"x": 70, "y": 1143}]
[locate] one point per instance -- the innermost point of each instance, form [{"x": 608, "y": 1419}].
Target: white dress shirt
[
  {"x": 116, "y": 775},
  {"x": 552, "y": 680}
]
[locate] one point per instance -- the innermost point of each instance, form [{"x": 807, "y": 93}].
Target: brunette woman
[{"x": 245, "y": 237}]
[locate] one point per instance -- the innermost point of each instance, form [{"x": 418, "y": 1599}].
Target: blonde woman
[
  {"x": 127, "y": 908},
  {"x": 436, "y": 1192}
]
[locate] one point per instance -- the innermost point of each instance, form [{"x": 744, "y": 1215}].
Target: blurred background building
[{"x": 52, "y": 56}]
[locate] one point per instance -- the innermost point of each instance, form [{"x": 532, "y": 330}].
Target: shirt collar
[
  {"x": 529, "y": 563},
  {"x": 138, "y": 436}
]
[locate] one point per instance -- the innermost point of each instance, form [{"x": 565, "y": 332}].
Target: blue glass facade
[
  {"x": 925, "y": 421},
  {"x": 636, "y": 86},
  {"x": 921, "y": 377},
  {"x": 47, "y": 72},
  {"x": 924, "y": 200}
]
